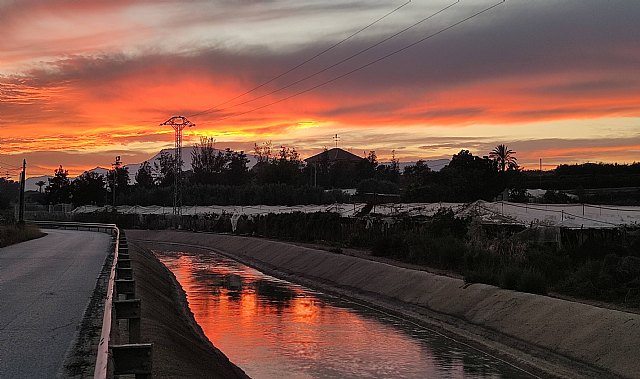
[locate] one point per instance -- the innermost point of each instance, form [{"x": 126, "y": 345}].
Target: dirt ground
[{"x": 552, "y": 337}]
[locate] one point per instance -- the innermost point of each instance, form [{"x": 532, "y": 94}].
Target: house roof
[{"x": 334, "y": 155}]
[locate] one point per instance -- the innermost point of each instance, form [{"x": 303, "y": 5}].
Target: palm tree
[
  {"x": 40, "y": 183},
  {"x": 504, "y": 157}
]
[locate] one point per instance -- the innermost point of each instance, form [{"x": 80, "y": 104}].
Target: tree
[
  {"x": 469, "y": 178},
  {"x": 417, "y": 172},
  {"x": 372, "y": 158},
  {"x": 237, "y": 169},
  {"x": 89, "y": 188},
  {"x": 166, "y": 168},
  {"x": 208, "y": 165},
  {"x": 504, "y": 157},
  {"x": 121, "y": 178},
  {"x": 417, "y": 179},
  {"x": 263, "y": 152},
  {"x": 366, "y": 168},
  {"x": 144, "y": 176},
  {"x": 121, "y": 182},
  {"x": 211, "y": 166},
  {"x": 8, "y": 192},
  {"x": 59, "y": 188},
  {"x": 40, "y": 184},
  {"x": 285, "y": 169}
]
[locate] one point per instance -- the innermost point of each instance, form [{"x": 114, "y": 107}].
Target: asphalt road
[{"x": 45, "y": 286}]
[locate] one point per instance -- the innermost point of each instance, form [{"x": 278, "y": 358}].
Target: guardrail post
[
  {"x": 126, "y": 287},
  {"x": 124, "y": 273},
  {"x": 130, "y": 310},
  {"x": 133, "y": 359}
]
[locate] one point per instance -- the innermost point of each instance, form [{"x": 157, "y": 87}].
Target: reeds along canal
[{"x": 273, "y": 329}]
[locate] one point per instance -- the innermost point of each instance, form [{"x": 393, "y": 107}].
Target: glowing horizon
[{"x": 82, "y": 81}]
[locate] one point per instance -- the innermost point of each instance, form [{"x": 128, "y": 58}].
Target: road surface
[{"x": 45, "y": 286}]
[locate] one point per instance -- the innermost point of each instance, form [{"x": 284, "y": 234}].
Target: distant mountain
[
  {"x": 30, "y": 183},
  {"x": 99, "y": 170},
  {"x": 186, "y": 158}
]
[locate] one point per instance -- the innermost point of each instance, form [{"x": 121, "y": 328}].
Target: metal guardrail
[
  {"x": 75, "y": 225},
  {"x": 102, "y": 359}
]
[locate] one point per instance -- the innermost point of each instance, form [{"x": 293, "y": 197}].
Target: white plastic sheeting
[
  {"x": 346, "y": 210},
  {"x": 562, "y": 215}
]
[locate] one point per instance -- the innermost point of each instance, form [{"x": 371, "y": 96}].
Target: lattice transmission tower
[{"x": 178, "y": 123}]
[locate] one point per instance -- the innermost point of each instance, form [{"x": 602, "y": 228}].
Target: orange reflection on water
[{"x": 272, "y": 328}]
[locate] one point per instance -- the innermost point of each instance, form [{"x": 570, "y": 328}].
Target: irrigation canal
[{"x": 273, "y": 328}]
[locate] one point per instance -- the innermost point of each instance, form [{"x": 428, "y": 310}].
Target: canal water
[{"x": 272, "y": 328}]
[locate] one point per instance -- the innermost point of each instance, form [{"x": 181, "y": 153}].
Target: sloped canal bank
[{"x": 553, "y": 337}]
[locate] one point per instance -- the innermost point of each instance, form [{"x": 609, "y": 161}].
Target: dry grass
[{"x": 13, "y": 233}]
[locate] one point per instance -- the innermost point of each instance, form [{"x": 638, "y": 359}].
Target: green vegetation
[
  {"x": 594, "y": 183},
  {"x": 605, "y": 269},
  {"x": 466, "y": 178}
]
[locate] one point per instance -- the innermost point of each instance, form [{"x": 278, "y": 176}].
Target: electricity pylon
[{"x": 178, "y": 123}]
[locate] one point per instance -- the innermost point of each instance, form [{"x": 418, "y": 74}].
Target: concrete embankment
[
  {"x": 180, "y": 348},
  {"x": 559, "y": 337}
]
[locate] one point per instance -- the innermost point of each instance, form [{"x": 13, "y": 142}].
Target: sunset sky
[{"x": 82, "y": 81}]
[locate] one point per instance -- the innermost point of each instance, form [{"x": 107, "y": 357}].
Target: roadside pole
[{"x": 23, "y": 178}]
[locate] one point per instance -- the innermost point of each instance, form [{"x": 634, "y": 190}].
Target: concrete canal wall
[{"x": 602, "y": 338}]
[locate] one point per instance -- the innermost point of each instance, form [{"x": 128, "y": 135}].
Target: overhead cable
[
  {"x": 304, "y": 62},
  {"x": 371, "y": 63},
  {"x": 342, "y": 60}
]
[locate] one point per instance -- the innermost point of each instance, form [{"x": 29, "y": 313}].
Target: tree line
[{"x": 281, "y": 177}]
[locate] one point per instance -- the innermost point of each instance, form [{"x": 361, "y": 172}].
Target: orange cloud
[{"x": 92, "y": 77}]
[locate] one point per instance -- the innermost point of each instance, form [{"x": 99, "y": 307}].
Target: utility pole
[
  {"x": 540, "y": 173},
  {"x": 178, "y": 123},
  {"x": 116, "y": 166},
  {"x": 23, "y": 178}
]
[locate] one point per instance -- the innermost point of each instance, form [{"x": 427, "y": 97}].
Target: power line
[
  {"x": 368, "y": 64},
  {"x": 340, "y": 61},
  {"x": 10, "y": 165},
  {"x": 304, "y": 62},
  {"x": 11, "y": 168}
]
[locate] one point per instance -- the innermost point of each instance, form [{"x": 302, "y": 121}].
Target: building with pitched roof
[{"x": 334, "y": 155}]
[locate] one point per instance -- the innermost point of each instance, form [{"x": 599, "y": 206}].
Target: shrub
[
  {"x": 510, "y": 278},
  {"x": 532, "y": 281},
  {"x": 390, "y": 246},
  {"x": 15, "y": 233}
]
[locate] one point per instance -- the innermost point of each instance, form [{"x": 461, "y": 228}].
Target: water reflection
[{"x": 273, "y": 329}]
